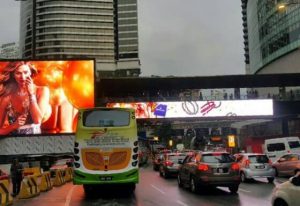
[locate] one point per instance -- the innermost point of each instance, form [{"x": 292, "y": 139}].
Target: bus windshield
[{"x": 106, "y": 118}]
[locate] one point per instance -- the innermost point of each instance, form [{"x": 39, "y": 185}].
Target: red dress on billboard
[{"x": 29, "y": 127}]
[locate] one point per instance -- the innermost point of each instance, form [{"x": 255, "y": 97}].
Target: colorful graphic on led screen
[
  {"x": 199, "y": 108},
  {"x": 42, "y": 97}
]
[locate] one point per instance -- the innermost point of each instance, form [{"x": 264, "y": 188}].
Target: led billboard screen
[
  {"x": 42, "y": 97},
  {"x": 200, "y": 109}
]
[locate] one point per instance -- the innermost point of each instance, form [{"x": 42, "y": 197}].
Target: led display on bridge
[{"x": 185, "y": 109}]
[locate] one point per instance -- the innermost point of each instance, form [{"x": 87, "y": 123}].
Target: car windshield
[
  {"x": 258, "y": 159},
  {"x": 217, "y": 158}
]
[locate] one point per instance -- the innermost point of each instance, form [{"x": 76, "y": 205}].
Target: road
[{"x": 153, "y": 190}]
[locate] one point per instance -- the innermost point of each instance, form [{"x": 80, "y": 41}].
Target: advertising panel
[
  {"x": 186, "y": 109},
  {"x": 43, "y": 96}
]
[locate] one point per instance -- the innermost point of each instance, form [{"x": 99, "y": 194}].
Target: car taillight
[
  {"x": 203, "y": 167},
  {"x": 235, "y": 166},
  {"x": 247, "y": 163},
  {"x": 169, "y": 163}
]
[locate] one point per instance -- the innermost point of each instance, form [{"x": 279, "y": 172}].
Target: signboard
[
  {"x": 231, "y": 140},
  {"x": 43, "y": 96},
  {"x": 216, "y": 139},
  {"x": 199, "y": 109}
]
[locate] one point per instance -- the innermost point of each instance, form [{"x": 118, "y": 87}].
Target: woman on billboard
[{"x": 24, "y": 106}]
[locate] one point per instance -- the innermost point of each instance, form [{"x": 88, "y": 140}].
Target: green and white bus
[{"x": 106, "y": 148}]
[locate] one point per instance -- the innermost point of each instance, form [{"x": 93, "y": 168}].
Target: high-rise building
[
  {"x": 271, "y": 43},
  {"x": 271, "y": 36},
  {"x": 10, "y": 51},
  {"x": 106, "y": 30}
]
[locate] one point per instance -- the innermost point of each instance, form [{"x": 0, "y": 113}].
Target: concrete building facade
[
  {"x": 106, "y": 30},
  {"x": 10, "y": 51}
]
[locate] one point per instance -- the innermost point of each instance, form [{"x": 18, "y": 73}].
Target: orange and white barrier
[
  {"x": 45, "y": 182},
  {"x": 32, "y": 171},
  {"x": 59, "y": 178},
  {"x": 29, "y": 187},
  {"x": 68, "y": 174},
  {"x": 5, "y": 197}
]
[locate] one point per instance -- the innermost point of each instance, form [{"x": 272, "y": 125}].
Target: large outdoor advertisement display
[
  {"x": 42, "y": 97},
  {"x": 200, "y": 109}
]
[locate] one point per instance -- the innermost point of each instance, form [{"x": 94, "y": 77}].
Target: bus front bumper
[{"x": 81, "y": 178}]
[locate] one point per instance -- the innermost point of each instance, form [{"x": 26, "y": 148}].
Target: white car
[{"x": 287, "y": 193}]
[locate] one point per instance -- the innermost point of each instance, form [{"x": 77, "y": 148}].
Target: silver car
[
  {"x": 170, "y": 163},
  {"x": 255, "y": 165},
  {"x": 287, "y": 165}
]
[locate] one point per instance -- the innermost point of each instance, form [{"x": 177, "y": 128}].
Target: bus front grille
[
  {"x": 95, "y": 159},
  {"x": 117, "y": 158}
]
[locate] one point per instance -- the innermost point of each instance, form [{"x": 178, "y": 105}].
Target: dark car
[
  {"x": 157, "y": 158},
  {"x": 156, "y": 161},
  {"x": 169, "y": 164},
  {"x": 203, "y": 169},
  {"x": 143, "y": 155}
]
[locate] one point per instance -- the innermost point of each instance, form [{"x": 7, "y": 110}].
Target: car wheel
[
  {"x": 243, "y": 177},
  {"x": 193, "y": 185},
  {"x": 233, "y": 188},
  {"x": 270, "y": 179},
  {"x": 161, "y": 171},
  {"x": 280, "y": 202},
  {"x": 179, "y": 181},
  {"x": 165, "y": 174}
]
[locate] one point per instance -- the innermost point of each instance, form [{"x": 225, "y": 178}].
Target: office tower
[
  {"x": 271, "y": 36},
  {"x": 106, "y": 30}
]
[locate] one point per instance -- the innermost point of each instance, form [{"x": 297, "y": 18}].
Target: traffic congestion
[
  {"x": 189, "y": 176},
  {"x": 198, "y": 170}
]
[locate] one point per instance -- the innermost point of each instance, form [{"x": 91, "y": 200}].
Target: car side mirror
[{"x": 295, "y": 180}]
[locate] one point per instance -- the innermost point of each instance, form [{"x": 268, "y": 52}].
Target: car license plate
[
  {"x": 260, "y": 167},
  {"x": 106, "y": 178},
  {"x": 220, "y": 170}
]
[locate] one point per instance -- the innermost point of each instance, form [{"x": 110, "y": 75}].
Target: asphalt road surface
[{"x": 154, "y": 190}]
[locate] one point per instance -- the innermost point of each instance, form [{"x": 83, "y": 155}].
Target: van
[{"x": 277, "y": 147}]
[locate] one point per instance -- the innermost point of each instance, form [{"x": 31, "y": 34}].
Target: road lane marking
[
  {"x": 181, "y": 203},
  {"x": 69, "y": 196},
  {"x": 161, "y": 191},
  {"x": 244, "y": 190}
]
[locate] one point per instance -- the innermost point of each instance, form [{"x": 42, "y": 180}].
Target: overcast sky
[{"x": 176, "y": 37}]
